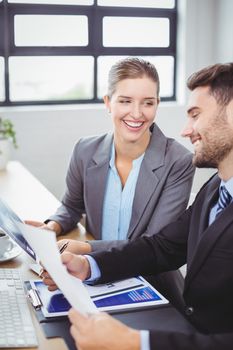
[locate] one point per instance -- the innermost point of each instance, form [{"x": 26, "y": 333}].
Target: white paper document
[{"x": 45, "y": 246}]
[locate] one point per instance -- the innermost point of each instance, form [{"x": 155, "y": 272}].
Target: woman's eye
[
  {"x": 124, "y": 101},
  {"x": 149, "y": 103}
]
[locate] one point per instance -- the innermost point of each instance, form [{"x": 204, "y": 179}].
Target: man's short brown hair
[{"x": 219, "y": 78}]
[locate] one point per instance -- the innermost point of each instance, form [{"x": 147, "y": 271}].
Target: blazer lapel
[
  {"x": 147, "y": 178},
  {"x": 95, "y": 188},
  {"x": 208, "y": 238},
  {"x": 201, "y": 218}
]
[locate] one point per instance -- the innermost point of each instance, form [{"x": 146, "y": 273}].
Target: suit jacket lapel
[
  {"x": 147, "y": 178},
  {"x": 209, "y": 235},
  {"x": 95, "y": 173},
  {"x": 201, "y": 218}
]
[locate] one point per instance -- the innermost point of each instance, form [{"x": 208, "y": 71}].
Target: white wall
[
  {"x": 46, "y": 135},
  {"x": 223, "y": 31}
]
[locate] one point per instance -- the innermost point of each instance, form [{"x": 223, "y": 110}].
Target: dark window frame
[{"x": 94, "y": 48}]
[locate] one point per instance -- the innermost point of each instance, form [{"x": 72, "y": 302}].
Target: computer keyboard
[{"x": 16, "y": 327}]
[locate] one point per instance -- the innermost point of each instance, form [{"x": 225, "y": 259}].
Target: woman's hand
[{"x": 51, "y": 225}]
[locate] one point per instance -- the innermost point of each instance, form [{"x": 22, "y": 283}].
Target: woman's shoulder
[
  {"x": 176, "y": 147},
  {"x": 91, "y": 142},
  {"x": 169, "y": 146},
  {"x": 92, "y": 147}
]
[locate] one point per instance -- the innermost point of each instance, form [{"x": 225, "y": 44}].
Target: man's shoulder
[
  {"x": 213, "y": 181},
  {"x": 209, "y": 186}
]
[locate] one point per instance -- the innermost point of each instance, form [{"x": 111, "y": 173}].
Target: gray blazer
[{"x": 162, "y": 189}]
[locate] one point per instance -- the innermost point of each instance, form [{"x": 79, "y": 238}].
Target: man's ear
[{"x": 107, "y": 103}]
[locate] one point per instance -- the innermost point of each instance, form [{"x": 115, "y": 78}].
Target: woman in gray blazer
[{"x": 133, "y": 181}]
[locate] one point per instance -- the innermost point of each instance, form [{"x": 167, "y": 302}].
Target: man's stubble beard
[{"x": 218, "y": 144}]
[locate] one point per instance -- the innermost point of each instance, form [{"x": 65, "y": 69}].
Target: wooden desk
[
  {"x": 28, "y": 197},
  {"x": 31, "y": 200},
  {"x": 25, "y": 194}
]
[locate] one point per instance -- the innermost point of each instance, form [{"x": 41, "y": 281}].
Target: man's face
[{"x": 210, "y": 129}]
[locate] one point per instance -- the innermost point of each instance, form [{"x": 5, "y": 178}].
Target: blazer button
[{"x": 189, "y": 310}]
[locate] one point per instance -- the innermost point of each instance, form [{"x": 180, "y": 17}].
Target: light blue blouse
[{"x": 118, "y": 202}]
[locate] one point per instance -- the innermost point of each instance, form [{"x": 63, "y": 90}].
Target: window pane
[
  {"x": 57, "y": 2},
  {"x": 164, "y": 65},
  {"x": 104, "y": 63},
  {"x": 47, "y": 30},
  {"x": 2, "y": 92},
  {"x": 141, "y": 32},
  {"x": 139, "y": 3},
  {"x": 51, "y": 78}
]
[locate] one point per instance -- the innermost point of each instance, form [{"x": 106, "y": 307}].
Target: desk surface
[
  {"x": 31, "y": 200},
  {"x": 25, "y": 194}
]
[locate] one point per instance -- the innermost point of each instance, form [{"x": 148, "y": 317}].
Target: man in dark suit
[{"x": 202, "y": 237}]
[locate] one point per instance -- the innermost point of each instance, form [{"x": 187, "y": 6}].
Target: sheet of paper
[{"x": 44, "y": 244}]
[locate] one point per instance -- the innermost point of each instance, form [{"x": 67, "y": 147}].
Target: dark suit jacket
[{"x": 208, "y": 290}]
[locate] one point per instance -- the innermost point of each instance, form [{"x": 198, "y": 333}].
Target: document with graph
[{"x": 132, "y": 293}]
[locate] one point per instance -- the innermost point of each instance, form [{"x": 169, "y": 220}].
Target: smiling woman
[{"x": 132, "y": 181}]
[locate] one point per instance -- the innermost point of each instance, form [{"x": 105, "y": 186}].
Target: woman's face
[{"x": 133, "y": 107}]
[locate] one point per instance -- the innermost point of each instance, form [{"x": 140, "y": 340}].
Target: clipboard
[
  {"x": 125, "y": 295},
  {"x": 54, "y": 327},
  {"x": 149, "y": 318}
]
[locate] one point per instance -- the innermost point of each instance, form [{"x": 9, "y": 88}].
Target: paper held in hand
[{"x": 45, "y": 246}]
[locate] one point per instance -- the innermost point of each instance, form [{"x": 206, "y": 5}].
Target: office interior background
[{"x": 47, "y": 133}]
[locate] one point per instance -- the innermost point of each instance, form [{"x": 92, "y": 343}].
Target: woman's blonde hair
[{"x": 131, "y": 68}]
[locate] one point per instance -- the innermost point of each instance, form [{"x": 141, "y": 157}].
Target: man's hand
[
  {"x": 102, "y": 332},
  {"x": 77, "y": 265},
  {"x": 75, "y": 247}
]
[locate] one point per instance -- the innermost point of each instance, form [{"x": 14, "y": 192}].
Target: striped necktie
[{"x": 223, "y": 201}]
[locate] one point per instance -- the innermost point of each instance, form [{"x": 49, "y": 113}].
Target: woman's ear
[{"x": 107, "y": 103}]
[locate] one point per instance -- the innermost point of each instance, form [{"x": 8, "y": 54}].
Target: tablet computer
[{"x": 8, "y": 223}]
